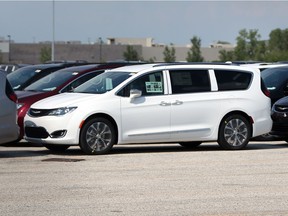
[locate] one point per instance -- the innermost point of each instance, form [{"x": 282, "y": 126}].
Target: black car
[
  {"x": 23, "y": 77},
  {"x": 276, "y": 81},
  {"x": 279, "y": 115}
]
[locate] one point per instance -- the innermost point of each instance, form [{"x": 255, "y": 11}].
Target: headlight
[{"x": 60, "y": 111}]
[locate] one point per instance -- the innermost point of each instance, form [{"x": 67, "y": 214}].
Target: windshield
[
  {"x": 103, "y": 83},
  {"x": 274, "y": 77},
  {"x": 20, "y": 76},
  {"x": 51, "y": 81}
]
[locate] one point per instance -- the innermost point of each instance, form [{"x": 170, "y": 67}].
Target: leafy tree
[
  {"x": 169, "y": 54},
  {"x": 194, "y": 54},
  {"x": 278, "y": 40},
  {"x": 247, "y": 45},
  {"x": 131, "y": 54},
  {"x": 277, "y": 45},
  {"x": 45, "y": 54},
  {"x": 261, "y": 51},
  {"x": 225, "y": 55},
  {"x": 151, "y": 60}
]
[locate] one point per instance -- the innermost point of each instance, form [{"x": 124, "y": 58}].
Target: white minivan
[
  {"x": 155, "y": 103},
  {"x": 9, "y": 130}
]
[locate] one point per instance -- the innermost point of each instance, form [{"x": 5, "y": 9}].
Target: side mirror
[
  {"x": 135, "y": 93},
  {"x": 285, "y": 90}
]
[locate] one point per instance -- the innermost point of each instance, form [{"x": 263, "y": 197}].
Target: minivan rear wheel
[
  {"x": 98, "y": 136},
  {"x": 234, "y": 132}
]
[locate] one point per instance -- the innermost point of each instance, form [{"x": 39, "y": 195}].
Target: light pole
[
  {"x": 9, "y": 41},
  {"x": 100, "y": 51},
  {"x": 53, "y": 31}
]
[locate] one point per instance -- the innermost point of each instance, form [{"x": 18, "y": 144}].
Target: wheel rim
[
  {"x": 98, "y": 136},
  {"x": 235, "y": 132}
]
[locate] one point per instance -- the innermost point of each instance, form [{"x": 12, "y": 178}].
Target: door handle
[
  {"x": 163, "y": 103},
  {"x": 177, "y": 102}
]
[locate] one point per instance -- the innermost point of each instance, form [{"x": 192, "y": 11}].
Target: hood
[
  {"x": 64, "y": 100},
  {"x": 282, "y": 102}
]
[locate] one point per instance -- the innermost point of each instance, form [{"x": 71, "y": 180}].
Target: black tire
[
  {"x": 98, "y": 136},
  {"x": 190, "y": 144},
  {"x": 56, "y": 148},
  {"x": 234, "y": 132}
]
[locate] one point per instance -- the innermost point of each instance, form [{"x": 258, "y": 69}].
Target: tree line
[{"x": 249, "y": 47}]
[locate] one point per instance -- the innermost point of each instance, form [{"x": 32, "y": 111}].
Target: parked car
[
  {"x": 8, "y": 111},
  {"x": 276, "y": 80},
  {"x": 155, "y": 103},
  {"x": 265, "y": 65},
  {"x": 23, "y": 77},
  {"x": 279, "y": 116},
  {"x": 60, "y": 81},
  {"x": 11, "y": 67}
]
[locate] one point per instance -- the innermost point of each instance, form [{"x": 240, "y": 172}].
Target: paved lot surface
[{"x": 145, "y": 180}]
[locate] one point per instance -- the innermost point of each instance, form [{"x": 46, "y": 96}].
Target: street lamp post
[
  {"x": 9, "y": 41},
  {"x": 53, "y": 31},
  {"x": 100, "y": 51}
]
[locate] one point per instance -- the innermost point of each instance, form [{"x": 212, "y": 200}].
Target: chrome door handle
[
  {"x": 177, "y": 102},
  {"x": 163, "y": 103}
]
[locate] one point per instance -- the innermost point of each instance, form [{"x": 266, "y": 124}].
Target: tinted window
[
  {"x": 51, "y": 81},
  {"x": 189, "y": 81},
  {"x": 80, "y": 81},
  {"x": 103, "y": 82},
  {"x": 275, "y": 80},
  {"x": 274, "y": 77},
  {"x": 232, "y": 80},
  {"x": 150, "y": 84},
  {"x": 21, "y": 75}
]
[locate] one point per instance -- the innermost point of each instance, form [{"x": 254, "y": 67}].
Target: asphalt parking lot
[{"x": 145, "y": 180}]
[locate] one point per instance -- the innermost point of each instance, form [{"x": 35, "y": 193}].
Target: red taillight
[
  {"x": 264, "y": 89},
  {"x": 10, "y": 92},
  {"x": 267, "y": 92},
  {"x": 13, "y": 97}
]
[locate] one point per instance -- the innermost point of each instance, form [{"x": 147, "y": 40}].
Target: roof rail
[{"x": 194, "y": 63}]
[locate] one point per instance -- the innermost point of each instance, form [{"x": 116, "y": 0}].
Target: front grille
[
  {"x": 38, "y": 112},
  {"x": 36, "y": 132}
]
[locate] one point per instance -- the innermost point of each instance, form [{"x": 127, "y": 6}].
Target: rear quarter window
[{"x": 232, "y": 80}]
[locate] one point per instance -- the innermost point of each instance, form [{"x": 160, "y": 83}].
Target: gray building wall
[
  {"x": 156, "y": 53},
  {"x": 31, "y": 53}
]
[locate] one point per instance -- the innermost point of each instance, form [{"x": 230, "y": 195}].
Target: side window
[
  {"x": 189, "y": 81},
  {"x": 80, "y": 81},
  {"x": 232, "y": 80},
  {"x": 150, "y": 84}
]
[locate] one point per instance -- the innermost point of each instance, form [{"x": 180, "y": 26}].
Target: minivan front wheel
[
  {"x": 97, "y": 136},
  {"x": 234, "y": 132}
]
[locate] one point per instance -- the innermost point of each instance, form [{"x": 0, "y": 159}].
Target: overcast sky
[{"x": 165, "y": 21}]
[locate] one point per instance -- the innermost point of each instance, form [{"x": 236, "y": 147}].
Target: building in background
[{"x": 101, "y": 51}]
